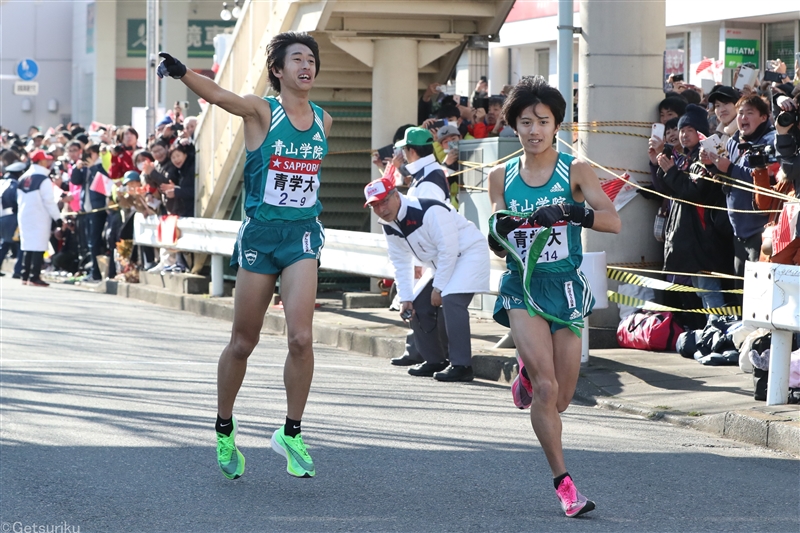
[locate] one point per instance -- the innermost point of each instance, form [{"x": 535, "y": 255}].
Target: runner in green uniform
[
  {"x": 286, "y": 139},
  {"x": 538, "y": 201}
]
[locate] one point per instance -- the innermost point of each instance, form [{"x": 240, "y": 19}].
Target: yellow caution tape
[
  {"x": 652, "y": 283},
  {"x": 650, "y": 306}
]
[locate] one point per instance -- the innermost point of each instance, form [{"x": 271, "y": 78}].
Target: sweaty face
[
  {"x": 299, "y": 68},
  {"x": 536, "y": 128}
]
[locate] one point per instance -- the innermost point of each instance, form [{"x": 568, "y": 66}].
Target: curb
[{"x": 776, "y": 432}]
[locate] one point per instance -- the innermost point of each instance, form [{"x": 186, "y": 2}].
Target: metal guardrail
[{"x": 772, "y": 301}]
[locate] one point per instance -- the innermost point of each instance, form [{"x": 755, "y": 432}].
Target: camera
[
  {"x": 406, "y": 315},
  {"x": 759, "y": 155},
  {"x": 770, "y": 75},
  {"x": 119, "y": 149},
  {"x": 668, "y": 150},
  {"x": 438, "y": 124},
  {"x": 787, "y": 118}
]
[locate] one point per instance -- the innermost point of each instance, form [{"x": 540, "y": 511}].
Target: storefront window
[
  {"x": 780, "y": 44},
  {"x": 675, "y": 55}
]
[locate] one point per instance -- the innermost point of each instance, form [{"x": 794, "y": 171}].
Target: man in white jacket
[
  {"x": 36, "y": 209},
  {"x": 456, "y": 252}
]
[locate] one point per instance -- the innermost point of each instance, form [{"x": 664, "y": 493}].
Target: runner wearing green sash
[
  {"x": 539, "y": 212},
  {"x": 285, "y": 139}
]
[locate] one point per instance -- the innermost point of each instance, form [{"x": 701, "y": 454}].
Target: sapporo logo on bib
[
  {"x": 292, "y": 182},
  {"x": 557, "y": 247}
]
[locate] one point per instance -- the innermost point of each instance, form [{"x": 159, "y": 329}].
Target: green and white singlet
[
  {"x": 563, "y": 251},
  {"x": 282, "y": 177}
]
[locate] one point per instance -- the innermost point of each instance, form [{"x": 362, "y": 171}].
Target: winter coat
[
  {"x": 182, "y": 204},
  {"x": 426, "y": 230},
  {"x": 696, "y": 238},
  {"x": 745, "y": 225},
  {"x": 428, "y": 180},
  {"x": 84, "y": 177},
  {"x": 36, "y": 209},
  {"x": 788, "y": 153}
]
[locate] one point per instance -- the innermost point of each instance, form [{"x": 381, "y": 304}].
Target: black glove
[
  {"x": 550, "y": 214},
  {"x": 171, "y": 67},
  {"x": 504, "y": 225}
]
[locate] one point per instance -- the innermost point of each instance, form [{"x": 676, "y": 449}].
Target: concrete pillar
[
  {"x": 620, "y": 79},
  {"x": 395, "y": 92},
  {"x": 498, "y": 68},
  {"x": 175, "y": 20},
  {"x": 105, "y": 77},
  {"x": 703, "y": 42}
]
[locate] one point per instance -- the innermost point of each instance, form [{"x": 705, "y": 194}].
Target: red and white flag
[
  {"x": 102, "y": 184},
  {"x": 619, "y": 190}
]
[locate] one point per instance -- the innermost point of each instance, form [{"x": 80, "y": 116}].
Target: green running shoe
[
  {"x": 230, "y": 459},
  {"x": 298, "y": 462}
]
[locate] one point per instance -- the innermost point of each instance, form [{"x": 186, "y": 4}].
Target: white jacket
[
  {"x": 441, "y": 239},
  {"x": 36, "y": 209}
]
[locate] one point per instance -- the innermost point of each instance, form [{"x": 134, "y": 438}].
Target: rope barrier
[
  {"x": 111, "y": 207},
  {"x": 704, "y": 274},
  {"x": 630, "y": 301},
  {"x": 714, "y": 207},
  {"x": 658, "y": 284}
]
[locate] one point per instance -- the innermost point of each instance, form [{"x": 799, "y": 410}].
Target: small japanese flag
[{"x": 102, "y": 184}]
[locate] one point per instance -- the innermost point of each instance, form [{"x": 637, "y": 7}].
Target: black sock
[
  {"x": 292, "y": 427},
  {"x": 557, "y": 480},
  {"x": 224, "y": 425}
]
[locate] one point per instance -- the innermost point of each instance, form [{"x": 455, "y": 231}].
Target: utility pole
[
  {"x": 565, "y": 75},
  {"x": 151, "y": 79}
]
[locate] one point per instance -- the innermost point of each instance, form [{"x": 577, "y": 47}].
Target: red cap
[
  {"x": 40, "y": 155},
  {"x": 377, "y": 190}
]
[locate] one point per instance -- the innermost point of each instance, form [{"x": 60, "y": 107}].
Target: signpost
[
  {"x": 26, "y": 88},
  {"x": 27, "y": 69}
]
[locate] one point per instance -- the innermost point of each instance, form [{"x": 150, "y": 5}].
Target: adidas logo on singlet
[
  {"x": 317, "y": 137},
  {"x": 557, "y": 188}
]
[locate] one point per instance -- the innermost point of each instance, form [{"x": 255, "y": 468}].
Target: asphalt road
[{"x": 107, "y": 408}]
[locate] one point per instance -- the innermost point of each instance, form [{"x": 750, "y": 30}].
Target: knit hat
[{"x": 696, "y": 117}]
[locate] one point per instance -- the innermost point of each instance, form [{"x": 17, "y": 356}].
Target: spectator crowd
[{"x": 69, "y": 195}]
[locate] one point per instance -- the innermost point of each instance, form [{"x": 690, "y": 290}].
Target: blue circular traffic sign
[{"x": 27, "y": 69}]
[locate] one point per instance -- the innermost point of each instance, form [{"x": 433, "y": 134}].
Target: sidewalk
[{"x": 658, "y": 386}]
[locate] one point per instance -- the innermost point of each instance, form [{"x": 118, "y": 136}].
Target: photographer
[
  {"x": 696, "y": 239},
  {"x": 787, "y": 140},
  {"x": 755, "y": 129},
  {"x": 122, "y": 154}
]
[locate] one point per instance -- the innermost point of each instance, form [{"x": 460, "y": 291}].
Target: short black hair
[
  {"x": 673, "y": 103},
  {"x": 755, "y": 102},
  {"x": 400, "y": 134},
  {"x": 530, "y": 91},
  {"x": 92, "y": 148},
  {"x": 423, "y": 150},
  {"x": 692, "y": 96},
  {"x": 66, "y": 134},
  {"x": 82, "y": 138},
  {"x": 144, "y": 153},
  {"x": 671, "y": 124},
  {"x": 276, "y": 53},
  {"x": 74, "y": 143},
  {"x": 497, "y": 100},
  {"x": 448, "y": 111}
]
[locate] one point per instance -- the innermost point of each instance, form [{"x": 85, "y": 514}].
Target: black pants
[
  {"x": 745, "y": 250},
  {"x": 32, "y": 266},
  {"x": 93, "y": 226}
]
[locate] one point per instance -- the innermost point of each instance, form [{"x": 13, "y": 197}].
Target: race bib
[
  {"x": 557, "y": 247},
  {"x": 292, "y": 182}
]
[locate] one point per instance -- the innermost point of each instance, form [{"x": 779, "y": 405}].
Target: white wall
[{"x": 41, "y": 31}]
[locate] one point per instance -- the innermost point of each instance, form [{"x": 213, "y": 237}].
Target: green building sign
[
  {"x": 738, "y": 51},
  {"x": 199, "y": 36}
]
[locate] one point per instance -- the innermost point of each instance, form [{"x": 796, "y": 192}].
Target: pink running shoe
[
  {"x": 521, "y": 388},
  {"x": 572, "y": 502}
]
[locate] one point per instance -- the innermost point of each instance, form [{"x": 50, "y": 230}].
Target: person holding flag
[
  {"x": 95, "y": 184},
  {"x": 539, "y": 203},
  {"x": 286, "y": 140}
]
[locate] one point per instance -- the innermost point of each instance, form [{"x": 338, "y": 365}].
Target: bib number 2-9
[{"x": 292, "y": 182}]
